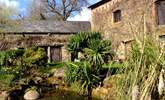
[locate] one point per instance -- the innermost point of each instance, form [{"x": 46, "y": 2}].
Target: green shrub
[
  {"x": 6, "y": 80},
  {"x": 10, "y": 57},
  {"x": 34, "y": 57},
  {"x": 20, "y": 62},
  {"x": 14, "y": 70}
]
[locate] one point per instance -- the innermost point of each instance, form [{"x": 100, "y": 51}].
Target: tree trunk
[
  {"x": 89, "y": 93},
  {"x": 74, "y": 56}
]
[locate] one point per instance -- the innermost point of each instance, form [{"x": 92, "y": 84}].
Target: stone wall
[
  {"x": 66, "y": 56},
  {"x": 137, "y": 17},
  {"x": 12, "y": 41},
  {"x": 8, "y": 41}
]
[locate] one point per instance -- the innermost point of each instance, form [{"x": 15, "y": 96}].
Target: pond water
[
  {"x": 56, "y": 94},
  {"x": 63, "y": 95}
]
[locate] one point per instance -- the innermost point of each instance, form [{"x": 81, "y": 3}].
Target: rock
[
  {"x": 4, "y": 95},
  {"x": 58, "y": 72},
  {"x": 108, "y": 90},
  {"x": 38, "y": 80},
  {"x": 31, "y": 95},
  {"x": 55, "y": 81},
  {"x": 100, "y": 92}
]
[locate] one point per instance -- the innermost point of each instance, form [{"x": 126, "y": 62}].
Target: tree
[
  {"x": 6, "y": 12},
  {"x": 65, "y": 8},
  {"x": 88, "y": 71},
  {"x": 36, "y": 10},
  {"x": 55, "y": 9}
]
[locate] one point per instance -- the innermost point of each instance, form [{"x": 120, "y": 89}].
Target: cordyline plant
[{"x": 87, "y": 70}]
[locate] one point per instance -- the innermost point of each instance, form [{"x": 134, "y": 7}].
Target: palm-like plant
[
  {"x": 96, "y": 52},
  {"x": 99, "y": 52},
  {"x": 81, "y": 40},
  {"x": 83, "y": 73}
]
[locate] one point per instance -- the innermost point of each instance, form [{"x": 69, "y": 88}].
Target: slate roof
[{"x": 48, "y": 26}]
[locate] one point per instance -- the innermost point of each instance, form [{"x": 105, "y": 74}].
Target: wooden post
[{"x": 49, "y": 54}]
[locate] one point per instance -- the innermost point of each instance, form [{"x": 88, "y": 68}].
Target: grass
[
  {"x": 113, "y": 68},
  {"x": 50, "y": 66},
  {"x": 142, "y": 71}
]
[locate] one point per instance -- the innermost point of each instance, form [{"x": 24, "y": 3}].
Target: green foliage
[
  {"x": 96, "y": 52},
  {"x": 27, "y": 57},
  {"x": 48, "y": 68},
  {"x": 82, "y": 72},
  {"x": 76, "y": 87},
  {"x": 34, "y": 57},
  {"x": 81, "y": 40},
  {"x": 6, "y": 80},
  {"x": 142, "y": 69},
  {"x": 10, "y": 57},
  {"x": 9, "y": 75},
  {"x": 147, "y": 52},
  {"x": 19, "y": 62},
  {"x": 96, "y": 49},
  {"x": 113, "y": 68}
]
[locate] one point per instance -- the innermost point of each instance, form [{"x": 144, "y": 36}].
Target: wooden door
[
  {"x": 56, "y": 55},
  {"x": 161, "y": 12}
]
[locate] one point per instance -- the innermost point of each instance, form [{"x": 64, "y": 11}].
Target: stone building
[
  {"x": 53, "y": 36},
  {"x": 121, "y": 20}
]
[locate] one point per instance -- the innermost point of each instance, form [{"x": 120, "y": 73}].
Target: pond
[{"x": 64, "y": 95}]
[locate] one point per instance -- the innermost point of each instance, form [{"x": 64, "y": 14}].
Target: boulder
[
  {"x": 100, "y": 92},
  {"x": 31, "y": 95},
  {"x": 58, "y": 72},
  {"x": 4, "y": 95}
]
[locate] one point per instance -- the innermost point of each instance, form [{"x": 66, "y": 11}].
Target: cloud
[
  {"x": 10, "y": 3},
  {"x": 84, "y": 15}
]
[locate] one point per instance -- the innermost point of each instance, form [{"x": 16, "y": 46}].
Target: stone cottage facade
[
  {"x": 51, "y": 35},
  {"x": 120, "y": 20}
]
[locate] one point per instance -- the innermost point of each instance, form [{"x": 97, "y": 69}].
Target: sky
[{"x": 22, "y": 6}]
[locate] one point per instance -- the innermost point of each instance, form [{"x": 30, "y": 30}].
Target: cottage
[
  {"x": 53, "y": 36},
  {"x": 119, "y": 20}
]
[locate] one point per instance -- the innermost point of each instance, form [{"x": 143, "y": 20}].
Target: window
[
  {"x": 160, "y": 12},
  {"x": 117, "y": 16}
]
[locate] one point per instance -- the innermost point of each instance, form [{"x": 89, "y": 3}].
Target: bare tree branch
[{"x": 66, "y": 7}]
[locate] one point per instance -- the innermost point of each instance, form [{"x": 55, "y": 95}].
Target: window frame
[{"x": 117, "y": 16}]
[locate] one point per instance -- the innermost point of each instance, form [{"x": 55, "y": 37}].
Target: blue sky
[{"x": 22, "y": 5}]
